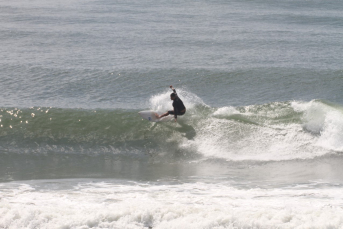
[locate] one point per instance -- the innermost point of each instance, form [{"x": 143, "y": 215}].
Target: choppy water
[{"x": 259, "y": 147}]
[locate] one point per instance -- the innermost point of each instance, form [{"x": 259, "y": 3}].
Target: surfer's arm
[{"x": 171, "y": 87}]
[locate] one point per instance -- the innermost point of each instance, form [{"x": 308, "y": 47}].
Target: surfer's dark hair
[{"x": 173, "y": 95}]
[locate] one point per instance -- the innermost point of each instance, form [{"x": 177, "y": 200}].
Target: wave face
[{"x": 267, "y": 132}]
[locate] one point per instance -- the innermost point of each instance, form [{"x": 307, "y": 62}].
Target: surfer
[{"x": 179, "y": 108}]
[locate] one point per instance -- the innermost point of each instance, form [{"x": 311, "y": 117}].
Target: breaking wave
[{"x": 265, "y": 132}]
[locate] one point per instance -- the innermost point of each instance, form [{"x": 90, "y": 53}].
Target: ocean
[{"x": 261, "y": 143}]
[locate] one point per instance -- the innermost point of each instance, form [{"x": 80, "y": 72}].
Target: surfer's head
[{"x": 172, "y": 96}]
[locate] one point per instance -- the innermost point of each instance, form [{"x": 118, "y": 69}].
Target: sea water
[{"x": 260, "y": 145}]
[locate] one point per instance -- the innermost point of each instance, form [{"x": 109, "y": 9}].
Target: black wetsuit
[{"x": 179, "y": 108}]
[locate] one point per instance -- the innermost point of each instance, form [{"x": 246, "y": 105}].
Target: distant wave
[{"x": 267, "y": 132}]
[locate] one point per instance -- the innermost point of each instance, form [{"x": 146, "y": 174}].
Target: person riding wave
[{"x": 179, "y": 107}]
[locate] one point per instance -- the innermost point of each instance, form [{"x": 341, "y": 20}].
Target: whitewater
[{"x": 260, "y": 145}]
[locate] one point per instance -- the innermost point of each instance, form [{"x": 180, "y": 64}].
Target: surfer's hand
[{"x": 171, "y": 86}]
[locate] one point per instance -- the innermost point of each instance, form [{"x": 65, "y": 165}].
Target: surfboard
[{"x": 151, "y": 116}]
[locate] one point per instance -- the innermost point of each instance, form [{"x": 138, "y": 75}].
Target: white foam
[
  {"x": 324, "y": 120},
  {"x": 332, "y": 133},
  {"x": 236, "y": 141},
  {"x": 269, "y": 132},
  {"x": 188, "y": 205},
  {"x": 314, "y": 115},
  {"x": 226, "y": 111},
  {"x": 264, "y": 139}
]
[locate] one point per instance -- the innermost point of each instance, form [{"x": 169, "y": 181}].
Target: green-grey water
[{"x": 259, "y": 146}]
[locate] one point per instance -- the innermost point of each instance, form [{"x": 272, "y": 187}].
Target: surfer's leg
[{"x": 165, "y": 114}]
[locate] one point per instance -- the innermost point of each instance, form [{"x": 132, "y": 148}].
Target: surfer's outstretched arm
[{"x": 171, "y": 87}]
